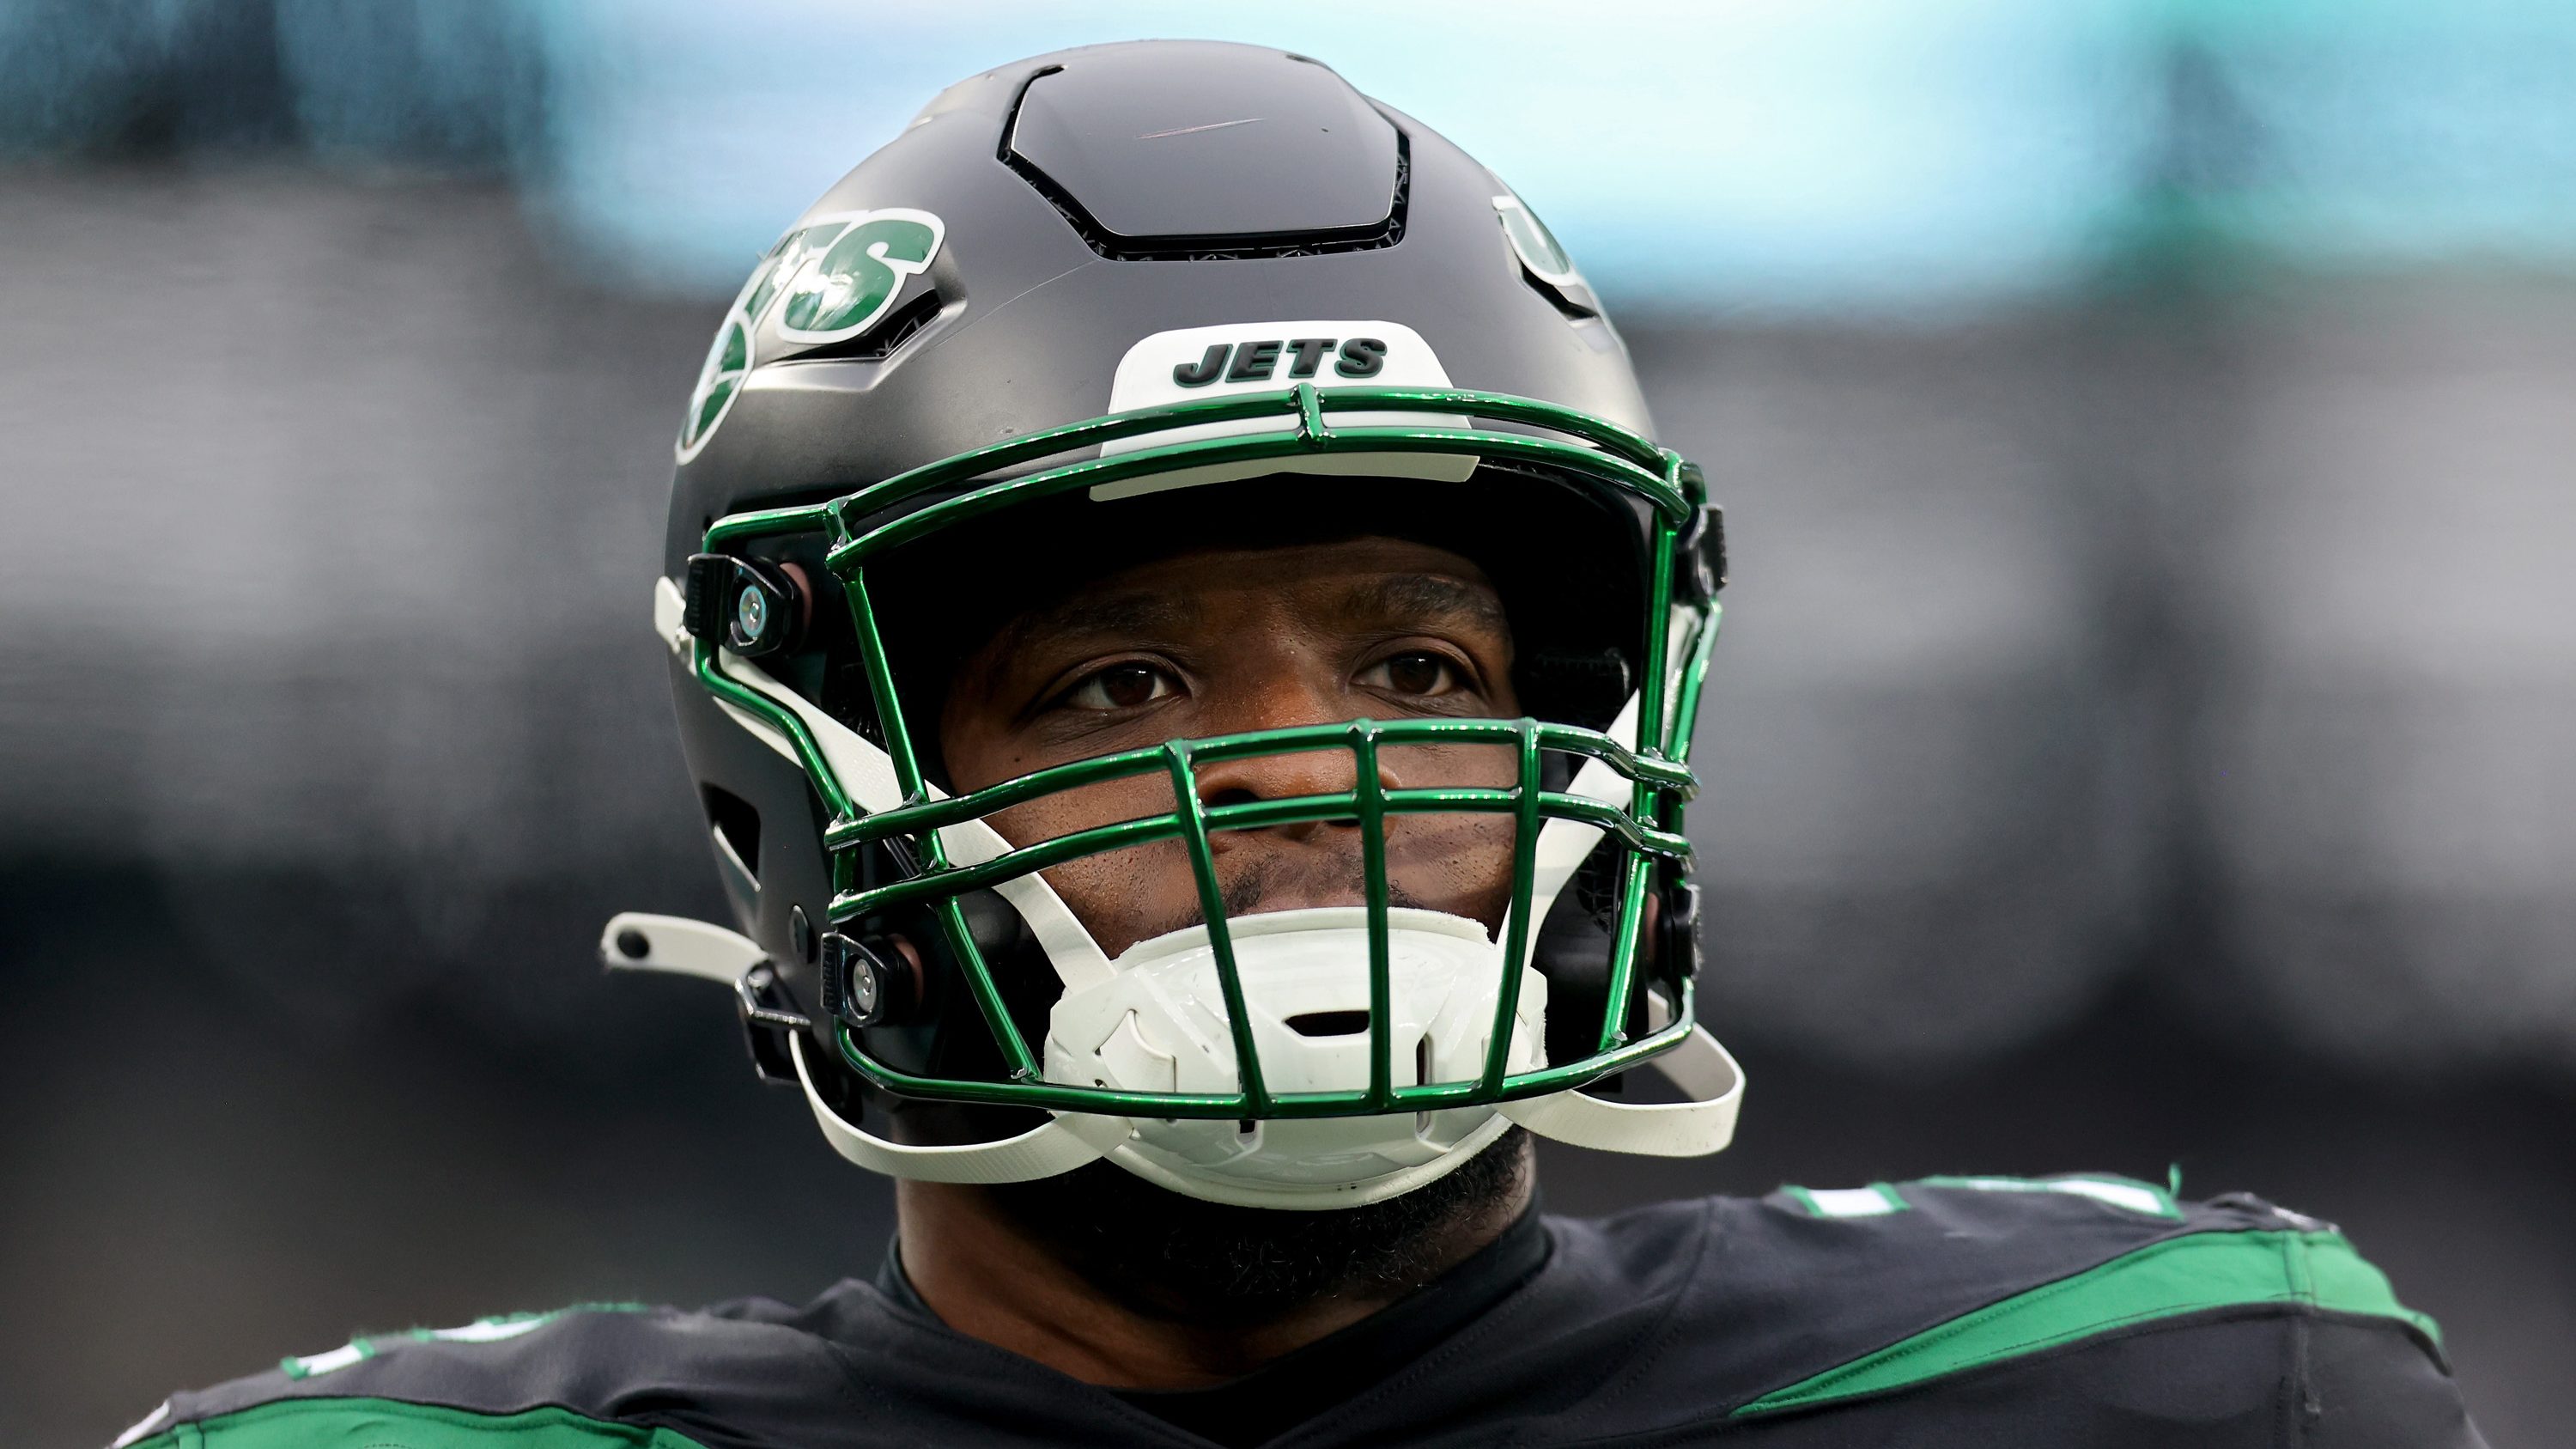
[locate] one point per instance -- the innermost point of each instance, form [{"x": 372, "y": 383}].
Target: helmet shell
[{"x": 1084, "y": 200}]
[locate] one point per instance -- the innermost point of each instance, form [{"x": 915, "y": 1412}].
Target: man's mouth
[{"x": 1274, "y": 881}]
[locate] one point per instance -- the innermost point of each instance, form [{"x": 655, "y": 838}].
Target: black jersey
[{"x": 1952, "y": 1311}]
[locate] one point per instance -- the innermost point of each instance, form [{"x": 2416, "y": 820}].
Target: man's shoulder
[
  {"x": 1937, "y": 1311},
  {"x": 1905, "y": 1297},
  {"x": 1934, "y": 1241},
  {"x": 585, "y": 1377}
]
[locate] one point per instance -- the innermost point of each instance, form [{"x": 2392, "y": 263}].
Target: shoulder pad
[
  {"x": 1971, "y": 1271},
  {"x": 587, "y": 1377},
  {"x": 1880, "y": 1199}
]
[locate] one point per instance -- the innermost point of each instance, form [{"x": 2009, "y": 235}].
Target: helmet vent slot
[
  {"x": 886, "y": 338},
  {"x": 1329, "y": 1023},
  {"x": 1576, "y": 308},
  {"x": 735, "y": 825}
]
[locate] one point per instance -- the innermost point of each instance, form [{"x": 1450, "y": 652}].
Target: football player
[{"x": 1188, "y": 648}]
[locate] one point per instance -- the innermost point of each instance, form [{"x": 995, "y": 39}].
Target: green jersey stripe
[
  {"x": 2189, "y": 1274},
  {"x": 358, "y": 1423}
]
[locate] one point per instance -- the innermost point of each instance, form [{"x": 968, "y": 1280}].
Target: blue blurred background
[{"x": 2146, "y": 731}]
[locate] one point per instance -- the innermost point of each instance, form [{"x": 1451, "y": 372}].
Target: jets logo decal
[{"x": 832, "y": 278}]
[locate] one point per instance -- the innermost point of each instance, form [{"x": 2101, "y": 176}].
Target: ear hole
[{"x": 736, "y": 828}]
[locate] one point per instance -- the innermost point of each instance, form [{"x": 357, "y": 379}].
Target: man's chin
[{"x": 1163, "y": 1254}]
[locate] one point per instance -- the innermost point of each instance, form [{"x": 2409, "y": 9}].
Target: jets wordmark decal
[
  {"x": 1189, "y": 363},
  {"x": 1356, "y": 357}
]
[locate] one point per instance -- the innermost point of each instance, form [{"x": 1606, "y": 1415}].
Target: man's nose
[{"x": 1279, "y": 775}]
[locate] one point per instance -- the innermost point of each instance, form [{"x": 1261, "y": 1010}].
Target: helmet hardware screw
[
  {"x": 864, "y": 986},
  {"x": 864, "y": 983},
  {"x": 746, "y": 605},
  {"x": 854, "y": 981}
]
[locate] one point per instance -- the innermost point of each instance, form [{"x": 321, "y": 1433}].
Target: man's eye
[
  {"x": 1122, "y": 686},
  {"x": 1416, "y": 672}
]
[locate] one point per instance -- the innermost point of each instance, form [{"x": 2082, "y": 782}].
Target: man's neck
[{"x": 987, "y": 1277}]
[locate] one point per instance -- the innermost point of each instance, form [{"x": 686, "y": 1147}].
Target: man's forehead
[
  {"x": 1365, "y": 581},
  {"x": 1425, "y": 594}
]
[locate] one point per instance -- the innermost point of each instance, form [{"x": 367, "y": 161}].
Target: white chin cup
[{"x": 1159, "y": 1024}]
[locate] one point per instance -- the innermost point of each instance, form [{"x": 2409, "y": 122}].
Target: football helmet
[{"x": 1088, "y": 308}]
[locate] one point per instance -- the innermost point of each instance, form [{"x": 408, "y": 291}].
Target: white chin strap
[{"x": 1133, "y": 1024}]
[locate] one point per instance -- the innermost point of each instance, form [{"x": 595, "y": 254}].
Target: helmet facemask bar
[{"x": 1679, "y": 628}]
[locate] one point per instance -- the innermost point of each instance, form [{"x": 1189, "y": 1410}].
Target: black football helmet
[{"x": 1089, "y": 308}]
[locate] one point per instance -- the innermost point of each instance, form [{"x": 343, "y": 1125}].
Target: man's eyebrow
[
  {"x": 1425, "y": 596},
  {"x": 1088, "y": 617}
]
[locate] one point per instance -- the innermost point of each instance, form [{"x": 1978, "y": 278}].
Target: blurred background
[{"x": 2145, "y": 733}]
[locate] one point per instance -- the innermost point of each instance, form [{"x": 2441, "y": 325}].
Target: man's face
[{"x": 1223, "y": 641}]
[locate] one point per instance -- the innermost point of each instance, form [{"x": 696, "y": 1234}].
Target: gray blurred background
[{"x": 2145, "y": 732}]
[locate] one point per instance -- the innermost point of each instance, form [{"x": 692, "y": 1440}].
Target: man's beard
[{"x": 1166, "y": 1255}]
